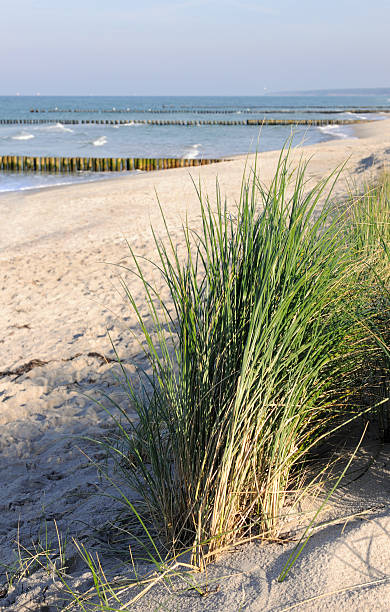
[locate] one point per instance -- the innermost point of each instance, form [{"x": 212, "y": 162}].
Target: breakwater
[
  {"x": 249, "y": 122},
  {"x": 19, "y": 163}
]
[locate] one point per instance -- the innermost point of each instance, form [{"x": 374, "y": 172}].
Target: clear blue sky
[{"x": 189, "y": 47}]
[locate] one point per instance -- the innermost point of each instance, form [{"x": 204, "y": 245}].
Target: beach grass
[
  {"x": 274, "y": 335},
  {"x": 251, "y": 362},
  {"x": 369, "y": 236}
]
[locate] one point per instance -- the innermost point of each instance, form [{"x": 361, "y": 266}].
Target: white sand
[{"x": 59, "y": 296}]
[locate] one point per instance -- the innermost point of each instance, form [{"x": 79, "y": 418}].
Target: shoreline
[
  {"x": 366, "y": 130},
  {"x": 342, "y": 148},
  {"x": 61, "y": 294}
]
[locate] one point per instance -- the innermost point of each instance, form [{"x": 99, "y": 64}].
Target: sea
[{"x": 67, "y": 136}]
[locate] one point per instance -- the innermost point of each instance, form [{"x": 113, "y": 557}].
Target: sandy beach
[{"x": 62, "y": 253}]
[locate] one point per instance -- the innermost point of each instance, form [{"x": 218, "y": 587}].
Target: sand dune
[{"x": 60, "y": 295}]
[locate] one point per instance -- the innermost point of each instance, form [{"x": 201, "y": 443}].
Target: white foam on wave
[
  {"x": 355, "y": 115},
  {"x": 334, "y": 130},
  {"x": 193, "y": 152},
  {"x": 99, "y": 142},
  {"x": 58, "y": 127},
  {"x": 23, "y": 136}
]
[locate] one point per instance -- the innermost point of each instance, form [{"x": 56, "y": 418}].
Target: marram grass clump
[
  {"x": 245, "y": 361},
  {"x": 368, "y": 235}
]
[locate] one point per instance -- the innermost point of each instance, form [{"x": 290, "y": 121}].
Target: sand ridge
[{"x": 60, "y": 295}]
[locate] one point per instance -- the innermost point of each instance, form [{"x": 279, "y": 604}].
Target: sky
[{"x": 192, "y": 47}]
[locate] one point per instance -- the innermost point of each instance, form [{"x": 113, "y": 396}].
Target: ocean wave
[
  {"x": 23, "y": 136},
  {"x": 58, "y": 127},
  {"x": 334, "y": 130},
  {"x": 355, "y": 115},
  {"x": 193, "y": 152},
  {"x": 99, "y": 142},
  {"x": 14, "y": 182}
]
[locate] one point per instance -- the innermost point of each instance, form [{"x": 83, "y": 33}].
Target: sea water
[{"x": 59, "y": 138}]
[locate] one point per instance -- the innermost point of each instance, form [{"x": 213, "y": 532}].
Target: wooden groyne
[
  {"x": 249, "y": 122},
  {"x": 219, "y": 111},
  {"x": 18, "y": 163},
  {"x": 38, "y": 121}
]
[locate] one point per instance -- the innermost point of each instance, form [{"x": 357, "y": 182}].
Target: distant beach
[{"x": 195, "y": 127}]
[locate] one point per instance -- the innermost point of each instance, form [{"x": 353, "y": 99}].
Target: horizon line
[{"x": 211, "y": 95}]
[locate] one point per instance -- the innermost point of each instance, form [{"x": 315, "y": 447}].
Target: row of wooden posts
[
  {"x": 18, "y": 163},
  {"x": 185, "y": 122},
  {"x": 208, "y": 111}
]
